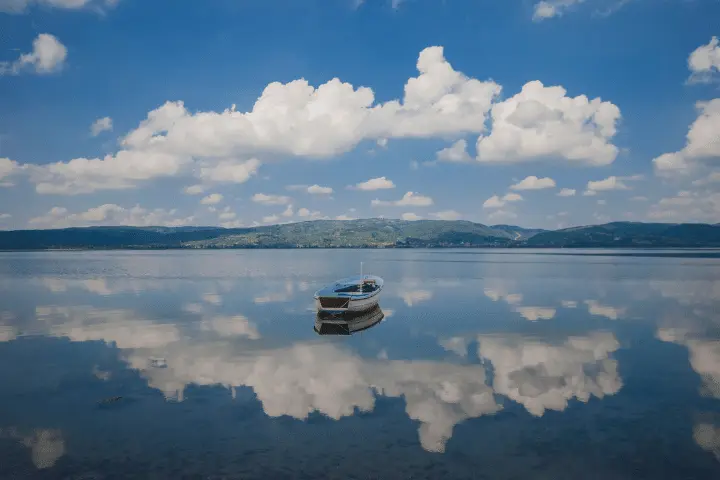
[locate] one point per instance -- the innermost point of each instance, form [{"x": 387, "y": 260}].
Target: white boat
[{"x": 353, "y": 294}]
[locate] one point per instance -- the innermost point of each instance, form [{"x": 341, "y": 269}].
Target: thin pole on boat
[{"x": 361, "y": 277}]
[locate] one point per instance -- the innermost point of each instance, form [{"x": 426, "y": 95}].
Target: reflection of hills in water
[{"x": 347, "y": 323}]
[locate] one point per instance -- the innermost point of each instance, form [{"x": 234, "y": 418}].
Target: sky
[{"x": 543, "y": 114}]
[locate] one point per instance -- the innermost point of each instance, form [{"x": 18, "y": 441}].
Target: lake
[{"x": 497, "y": 364}]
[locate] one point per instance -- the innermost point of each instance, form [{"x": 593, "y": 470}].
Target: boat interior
[{"x": 366, "y": 287}]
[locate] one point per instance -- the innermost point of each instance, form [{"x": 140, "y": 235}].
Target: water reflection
[
  {"x": 484, "y": 359},
  {"x": 346, "y": 324}
]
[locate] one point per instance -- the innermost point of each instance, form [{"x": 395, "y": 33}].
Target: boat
[
  {"x": 353, "y": 294},
  {"x": 347, "y": 323}
]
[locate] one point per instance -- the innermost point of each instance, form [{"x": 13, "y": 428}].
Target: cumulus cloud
[
  {"x": 457, "y": 152},
  {"x": 8, "y": 168},
  {"x": 499, "y": 202},
  {"x": 607, "y": 311},
  {"x": 311, "y": 215},
  {"x": 534, "y": 314},
  {"x": 288, "y": 212},
  {"x": 447, "y": 215},
  {"x": 100, "y": 125},
  {"x": 230, "y": 171},
  {"x": 707, "y": 436},
  {"x": 318, "y": 190},
  {"x": 610, "y": 183},
  {"x": 567, "y": 192},
  {"x": 552, "y": 8},
  {"x": 110, "y": 214},
  {"x": 270, "y": 199},
  {"x": 46, "y": 445},
  {"x": 297, "y": 119},
  {"x": 409, "y": 216},
  {"x": 541, "y": 122},
  {"x": 704, "y": 62},
  {"x": 48, "y": 55},
  {"x": 379, "y": 183},
  {"x": 344, "y": 217},
  {"x": 534, "y": 183},
  {"x": 687, "y": 207},
  {"x": 194, "y": 189},
  {"x": 546, "y": 376},
  {"x": 702, "y": 143},
  {"x": 410, "y": 199},
  {"x": 212, "y": 199}
]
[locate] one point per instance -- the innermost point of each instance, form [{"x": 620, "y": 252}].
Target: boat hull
[{"x": 335, "y": 304}]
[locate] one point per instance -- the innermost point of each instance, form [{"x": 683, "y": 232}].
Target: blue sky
[{"x": 533, "y": 97}]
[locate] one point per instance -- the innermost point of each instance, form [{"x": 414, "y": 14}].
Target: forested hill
[{"x": 368, "y": 233}]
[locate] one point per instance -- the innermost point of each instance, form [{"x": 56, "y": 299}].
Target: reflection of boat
[
  {"x": 347, "y": 323},
  {"x": 354, "y": 294}
]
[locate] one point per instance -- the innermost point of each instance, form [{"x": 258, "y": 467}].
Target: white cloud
[
  {"x": 707, "y": 436},
  {"x": 567, "y": 192},
  {"x": 114, "y": 172},
  {"x": 610, "y": 183},
  {"x": 230, "y": 171},
  {"x": 297, "y": 119},
  {"x": 607, "y": 311},
  {"x": 8, "y": 168},
  {"x": 704, "y": 62},
  {"x": 543, "y": 376},
  {"x": 212, "y": 199},
  {"x": 541, "y": 122},
  {"x": 695, "y": 207},
  {"x": 410, "y": 199},
  {"x": 271, "y": 219},
  {"x": 447, "y": 215},
  {"x": 457, "y": 152},
  {"x": 318, "y": 190},
  {"x": 534, "y": 183},
  {"x": 702, "y": 143},
  {"x": 288, "y": 212},
  {"x": 110, "y": 214},
  {"x": 378, "y": 183},
  {"x": 410, "y": 216},
  {"x": 534, "y": 314},
  {"x": 714, "y": 177},
  {"x": 5, "y": 216},
  {"x": 498, "y": 202},
  {"x": 552, "y": 8},
  {"x": 21, "y": 6},
  {"x": 602, "y": 202},
  {"x": 344, "y": 217},
  {"x": 305, "y": 213},
  {"x": 100, "y": 125},
  {"x": 270, "y": 199},
  {"x": 194, "y": 190},
  {"x": 48, "y": 55}
]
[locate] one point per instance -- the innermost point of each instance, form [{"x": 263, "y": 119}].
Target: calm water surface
[{"x": 488, "y": 364}]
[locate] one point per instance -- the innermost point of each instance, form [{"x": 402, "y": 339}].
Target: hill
[
  {"x": 630, "y": 234},
  {"x": 366, "y": 233}
]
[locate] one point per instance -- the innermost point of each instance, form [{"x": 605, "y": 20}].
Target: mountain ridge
[{"x": 366, "y": 233}]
